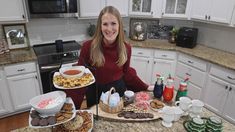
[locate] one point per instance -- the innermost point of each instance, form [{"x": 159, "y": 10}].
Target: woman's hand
[{"x": 150, "y": 88}]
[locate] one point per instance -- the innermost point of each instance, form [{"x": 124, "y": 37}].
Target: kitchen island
[{"x": 108, "y": 125}]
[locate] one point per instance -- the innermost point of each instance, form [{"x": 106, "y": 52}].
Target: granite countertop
[
  {"x": 17, "y": 55},
  {"x": 107, "y": 125},
  {"x": 215, "y": 56}
]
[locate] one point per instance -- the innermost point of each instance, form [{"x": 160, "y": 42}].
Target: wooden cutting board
[{"x": 115, "y": 117}]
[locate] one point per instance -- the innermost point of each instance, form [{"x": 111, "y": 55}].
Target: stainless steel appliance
[
  {"x": 51, "y": 56},
  {"x": 52, "y": 8}
]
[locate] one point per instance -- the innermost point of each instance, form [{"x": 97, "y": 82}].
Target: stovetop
[
  {"x": 50, "y": 48},
  {"x": 48, "y": 55}
]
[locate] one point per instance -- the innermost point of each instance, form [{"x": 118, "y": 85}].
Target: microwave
[{"x": 52, "y": 8}]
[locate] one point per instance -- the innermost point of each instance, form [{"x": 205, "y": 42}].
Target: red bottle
[{"x": 168, "y": 91}]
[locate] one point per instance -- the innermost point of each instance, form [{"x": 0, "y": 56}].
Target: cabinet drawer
[
  {"x": 142, "y": 52},
  {"x": 20, "y": 68},
  {"x": 171, "y": 55},
  {"x": 222, "y": 73},
  {"x": 195, "y": 76},
  {"x": 197, "y": 63}
]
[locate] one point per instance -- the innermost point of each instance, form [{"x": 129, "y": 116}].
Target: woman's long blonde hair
[{"x": 96, "y": 54}]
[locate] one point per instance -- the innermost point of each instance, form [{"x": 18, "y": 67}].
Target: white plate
[
  {"x": 86, "y": 71},
  {"x": 92, "y": 120},
  {"x": 155, "y": 109},
  {"x": 68, "y": 100}
]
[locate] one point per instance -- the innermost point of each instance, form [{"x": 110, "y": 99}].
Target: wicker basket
[{"x": 107, "y": 108}]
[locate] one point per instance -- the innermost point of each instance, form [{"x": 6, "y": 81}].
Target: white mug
[
  {"x": 183, "y": 103},
  {"x": 196, "y": 106},
  {"x": 167, "y": 116}
]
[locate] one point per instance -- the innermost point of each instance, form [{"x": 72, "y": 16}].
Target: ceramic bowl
[
  {"x": 72, "y": 72},
  {"x": 49, "y": 103}
]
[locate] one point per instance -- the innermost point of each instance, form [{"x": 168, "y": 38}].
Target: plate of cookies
[
  {"x": 67, "y": 113},
  {"x": 83, "y": 122},
  {"x": 156, "y": 105}
]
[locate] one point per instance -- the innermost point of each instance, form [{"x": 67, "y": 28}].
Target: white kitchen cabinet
[
  {"x": 142, "y": 61},
  {"x": 176, "y": 8},
  {"x": 12, "y": 10},
  {"x": 220, "y": 92},
  {"x": 195, "y": 70},
  {"x": 92, "y": 10},
  {"x": 23, "y": 84},
  {"x": 5, "y": 102},
  {"x": 164, "y": 64},
  {"x": 121, "y": 5},
  {"x": 141, "y": 7},
  {"x": 213, "y": 10}
]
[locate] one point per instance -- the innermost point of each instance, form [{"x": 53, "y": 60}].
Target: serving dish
[
  {"x": 68, "y": 100},
  {"x": 73, "y": 83},
  {"x": 72, "y": 72},
  {"x": 86, "y": 126}
]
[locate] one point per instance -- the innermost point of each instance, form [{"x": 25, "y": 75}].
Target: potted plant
[{"x": 173, "y": 35}]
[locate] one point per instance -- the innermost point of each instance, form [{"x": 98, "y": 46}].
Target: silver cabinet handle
[
  {"x": 164, "y": 55},
  {"x": 140, "y": 53},
  {"x": 209, "y": 17},
  {"x": 19, "y": 70},
  {"x": 190, "y": 61},
  {"x": 205, "y": 16},
  {"x": 230, "y": 78},
  {"x": 188, "y": 74},
  {"x": 226, "y": 87},
  {"x": 230, "y": 88}
]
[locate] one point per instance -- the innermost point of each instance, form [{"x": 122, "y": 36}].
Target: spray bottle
[
  {"x": 182, "y": 91},
  {"x": 158, "y": 87},
  {"x": 168, "y": 91}
]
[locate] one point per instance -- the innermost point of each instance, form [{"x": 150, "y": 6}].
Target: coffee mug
[
  {"x": 129, "y": 96},
  {"x": 183, "y": 103},
  {"x": 196, "y": 106},
  {"x": 167, "y": 116}
]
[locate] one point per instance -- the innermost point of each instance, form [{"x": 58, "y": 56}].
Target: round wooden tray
[{"x": 115, "y": 117}]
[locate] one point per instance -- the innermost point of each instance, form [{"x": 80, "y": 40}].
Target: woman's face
[{"x": 109, "y": 28}]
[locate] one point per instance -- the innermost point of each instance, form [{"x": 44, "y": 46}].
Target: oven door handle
[{"x": 50, "y": 67}]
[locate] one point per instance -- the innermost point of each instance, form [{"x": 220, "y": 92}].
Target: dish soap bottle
[
  {"x": 182, "y": 91},
  {"x": 168, "y": 91},
  {"x": 158, "y": 87}
]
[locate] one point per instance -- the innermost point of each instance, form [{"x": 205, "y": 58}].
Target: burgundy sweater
[{"x": 111, "y": 71}]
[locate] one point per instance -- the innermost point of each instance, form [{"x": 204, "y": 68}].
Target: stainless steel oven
[
  {"x": 50, "y": 59},
  {"x": 52, "y": 8}
]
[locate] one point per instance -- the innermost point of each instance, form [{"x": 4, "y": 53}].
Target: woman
[{"x": 107, "y": 55}]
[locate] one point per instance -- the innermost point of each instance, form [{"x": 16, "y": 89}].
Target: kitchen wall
[
  {"x": 216, "y": 36},
  {"x": 48, "y": 30}
]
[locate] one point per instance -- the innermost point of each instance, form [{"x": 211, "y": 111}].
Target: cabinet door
[
  {"x": 5, "y": 102},
  {"x": 143, "y": 67},
  {"x": 230, "y": 104},
  {"x": 12, "y": 10},
  {"x": 215, "y": 94},
  {"x": 121, "y": 5},
  {"x": 140, "y": 7},
  {"x": 91, "y": 8},
  {"x": 175, "y": 8},
  {"x": 221, "y": 11},
  {"x": 163, "y": 67},
  {"x": 200, "y": 9},
  {"x": 22, "y": 89}
]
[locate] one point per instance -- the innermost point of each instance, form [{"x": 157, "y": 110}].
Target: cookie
[
  {"x": 35, "y": 122},
  {"x": 51, "y": 120},
  {"x": 43, "y": 122}
]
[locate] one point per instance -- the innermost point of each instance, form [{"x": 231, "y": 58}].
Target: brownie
[
  {"x": 43, "y": 122},
  {"x": 51, "y": 120},
  {"x": 35, "y": 122},
  {"x": 34, "y": 114},
  {"x": 150, "y": 115},
  {"x": 133, "y": 116},
  {"x": 120, "y": 114}
]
